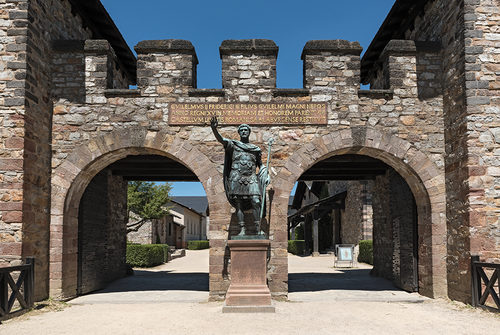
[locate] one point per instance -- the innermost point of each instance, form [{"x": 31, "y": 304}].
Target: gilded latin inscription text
[{"x": 250, "y": 113}]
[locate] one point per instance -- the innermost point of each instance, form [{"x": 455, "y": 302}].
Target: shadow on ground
[
  {"x": 160, "y": 281},
  {"x": 353, "y": 279}
]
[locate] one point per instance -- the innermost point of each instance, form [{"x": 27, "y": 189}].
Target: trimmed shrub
[
  {"x": 198, "y": 245},
  {"x": 146, "y": 255},
  {"x": 296, "y": 247},
  {"x": 165, "y": 251},
  {"x": 299, "y": 233},
  {"x": 366, "y": 252}
]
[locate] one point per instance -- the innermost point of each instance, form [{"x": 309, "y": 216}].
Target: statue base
[{"x": 248, "y": 291}]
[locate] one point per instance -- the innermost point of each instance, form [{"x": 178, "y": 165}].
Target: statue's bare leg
[
  {"x": 256, "y": 214},
  {"x": 241, "y": 218}
]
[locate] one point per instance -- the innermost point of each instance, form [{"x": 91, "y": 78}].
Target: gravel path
[{"x": 322, "y": 301}]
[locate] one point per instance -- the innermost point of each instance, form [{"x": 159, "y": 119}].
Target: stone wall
[
  {"x": 482, "y": 82},
  {"x": 367, "y": 218},
  {"x": 394, "y": 231},
  {"x": 101, "y": 232},
  {"x": 403, "y": 217},
  {"x": 13, "y": 32},
  {"x": 144, "y": 235},
  {"x": 382, "y": 229},
  {"x": 444, "y": 22},
  {"x": 28, "y": 30},
  {"x": 49, "y": 20},
  {"x": 116, "y": 235},
  {"x": 92, "y": 235},
  {"x": 466, "y": 31},
  {"x": 352, "y": 220}
]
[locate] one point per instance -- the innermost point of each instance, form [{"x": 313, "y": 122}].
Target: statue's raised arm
[{"x": 213, "y": 124}]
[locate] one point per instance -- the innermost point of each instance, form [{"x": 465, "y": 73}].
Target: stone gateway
[{"x": 426, "y": 135}]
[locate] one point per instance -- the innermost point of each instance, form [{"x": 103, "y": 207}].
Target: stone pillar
[
  {"x": 249, "y": 69},
  {"x": 68, "y": 71},
  {"x": 13, "y": 122},
  {"x": 331, "y": 68},
  {"x": 98, "y": 66},
  {"x": 400, "y": 68},
  {"x": 165, "y": 67},
  {"x": 315, "y": 238}
]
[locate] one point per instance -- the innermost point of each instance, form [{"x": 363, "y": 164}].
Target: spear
[{"x": 271, "y": 140}]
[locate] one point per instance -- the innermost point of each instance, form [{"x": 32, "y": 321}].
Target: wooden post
[
  {"x": 4, "y": 297},
  {"x": 29, "y": 282},
  {"x": 476, "y": 284}
]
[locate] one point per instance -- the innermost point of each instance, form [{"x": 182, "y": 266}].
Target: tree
[{"x": 146, "y": 200}]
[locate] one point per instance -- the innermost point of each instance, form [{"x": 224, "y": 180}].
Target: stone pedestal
[{"x": 248, "y": 291}]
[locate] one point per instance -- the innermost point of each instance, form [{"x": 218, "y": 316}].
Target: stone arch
[
  {"x": 424, "y": 178},
  {"x": 72, "y": 176}
]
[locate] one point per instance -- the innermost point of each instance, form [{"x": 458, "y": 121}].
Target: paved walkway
[{"x": 171, "y": 299}]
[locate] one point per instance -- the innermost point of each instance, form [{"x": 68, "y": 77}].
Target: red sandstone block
[
  {"x": 11, "y": 249},
  {"x": 477, "y": 170},
  {"x": 216, "y": 260},
  {"x": 12, "y": 216},
  {"x": 14, "y": 143},
  {"x": 280, "y": 236},
  {"x": 217, "y": 243},
  {"x": 7, "y": 164},
  {"x": 11, "y": 206},
  {"x": 477, "y": 219},
  {"x": 215, "y": 269},
  {"x": 11, "y": 186}
]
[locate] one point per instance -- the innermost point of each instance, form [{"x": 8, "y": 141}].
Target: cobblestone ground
[{"x": 171, "y": 299}]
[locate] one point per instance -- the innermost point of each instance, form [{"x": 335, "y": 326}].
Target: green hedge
[
  {"x": 198, "y": 245},
  {"x": 299, "y": 233},
  {"x": 366, "y": 252},
  {"x": 146, "y": 255},
  {"x": 296, "y": 247}
]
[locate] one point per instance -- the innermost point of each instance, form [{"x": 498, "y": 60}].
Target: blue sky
[{"x": 207, "y": 23}]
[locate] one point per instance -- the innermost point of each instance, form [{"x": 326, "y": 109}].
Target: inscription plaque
[{"x": 183, "y": 114}]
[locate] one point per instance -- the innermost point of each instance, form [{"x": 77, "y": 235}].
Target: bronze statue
[{"x": 245, "y": 189}]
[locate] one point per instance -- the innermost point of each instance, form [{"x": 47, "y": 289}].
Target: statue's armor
[{"x": 242, "y": 178}]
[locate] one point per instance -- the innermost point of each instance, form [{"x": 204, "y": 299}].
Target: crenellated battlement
[
  {"x": 330, "y": 64},
  {"x": 248, "y": 69},
  {"x": 165, "y": 65}
]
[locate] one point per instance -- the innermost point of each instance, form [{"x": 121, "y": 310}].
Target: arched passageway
[
  {"x": 423, "y": 178},
  {"x": 105, "y": 224},
  {"x": 91, "y": 221},
  {"x": 351, "y": 200}
]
